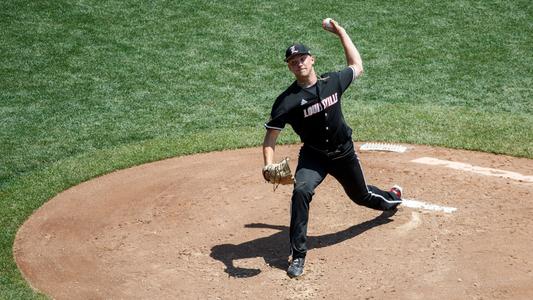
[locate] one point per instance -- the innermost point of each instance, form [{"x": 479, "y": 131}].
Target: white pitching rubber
[{"x": 383, "y": 147}]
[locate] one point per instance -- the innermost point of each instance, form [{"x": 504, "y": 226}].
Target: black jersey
[{"x": 315, "y": 113}]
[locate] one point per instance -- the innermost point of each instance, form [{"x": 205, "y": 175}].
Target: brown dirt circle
[{"x": 207, "y": 226}]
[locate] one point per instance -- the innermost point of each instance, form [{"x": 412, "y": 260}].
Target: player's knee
[
  {"x": 359, "y": 200},
  {"x": 358, "y": 196},
  {"x": 366, "y": 200},
  {"x": 302, "y": 191}
]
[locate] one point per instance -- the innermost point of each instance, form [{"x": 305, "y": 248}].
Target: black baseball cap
[{"x": 296, "y": 49}]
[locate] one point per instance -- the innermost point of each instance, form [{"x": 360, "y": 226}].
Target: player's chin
[{"x": 302, "y": 72}]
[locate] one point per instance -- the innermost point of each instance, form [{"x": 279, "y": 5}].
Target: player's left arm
[
  {"x": 353, "y": 57},
  {"x": 269, "y": 145}
]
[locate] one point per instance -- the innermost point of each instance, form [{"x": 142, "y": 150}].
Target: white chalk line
[
  {"x": 473, "y": 169},
  {"x": 413, "y": 223},
  {"x": 427, "y": 206}
]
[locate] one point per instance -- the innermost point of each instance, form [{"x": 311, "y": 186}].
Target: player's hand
[
  {"x": 332, "y": 26},
  {"x": 278, "y": 173}
]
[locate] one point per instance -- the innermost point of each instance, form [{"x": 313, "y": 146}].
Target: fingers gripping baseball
[
  {"x": 331, "y": 25},
  {"x": 278, "y": 173}
]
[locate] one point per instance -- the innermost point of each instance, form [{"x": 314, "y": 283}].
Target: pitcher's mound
[{"x": 207, "y": 227}]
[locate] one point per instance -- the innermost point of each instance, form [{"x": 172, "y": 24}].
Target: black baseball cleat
[
  {"x": 296, "y": 268},
  {"x": 393, "y": 203}
]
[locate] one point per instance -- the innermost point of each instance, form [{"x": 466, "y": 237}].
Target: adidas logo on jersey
[{"x": 304, "y": 102}]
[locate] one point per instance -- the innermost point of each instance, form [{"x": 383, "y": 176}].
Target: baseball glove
[{"x": 279, "y": 173}]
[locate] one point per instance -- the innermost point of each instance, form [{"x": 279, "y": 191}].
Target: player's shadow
[{"x": 274, "y": 249}]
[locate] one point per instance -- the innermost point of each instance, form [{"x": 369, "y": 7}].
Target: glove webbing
[{"x": 278, "y": 170}]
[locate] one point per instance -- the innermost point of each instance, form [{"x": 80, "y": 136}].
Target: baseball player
[{"x": 312, "y": 106}]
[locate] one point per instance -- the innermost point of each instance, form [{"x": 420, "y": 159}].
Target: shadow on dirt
[{"x": 271, "y": 248}]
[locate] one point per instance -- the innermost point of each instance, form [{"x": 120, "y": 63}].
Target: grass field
[{"x": 88, "y": 87}]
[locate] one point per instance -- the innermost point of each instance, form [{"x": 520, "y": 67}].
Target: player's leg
[
  {"x": 310, "y": 172},
  {"x": 347, "y": 170}
]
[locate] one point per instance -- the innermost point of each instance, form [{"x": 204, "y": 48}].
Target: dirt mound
[{"x": 187, "y": 228}]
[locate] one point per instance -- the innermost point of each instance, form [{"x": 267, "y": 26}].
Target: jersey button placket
[{"x": 327, "y": 127}]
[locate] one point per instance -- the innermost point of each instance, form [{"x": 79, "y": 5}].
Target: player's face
[{"x": 301, "y": 65}]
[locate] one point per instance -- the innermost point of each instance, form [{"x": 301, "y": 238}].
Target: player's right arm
[
  {"x": 269, "y": 145},
  {"x": 353, "y": 57}
]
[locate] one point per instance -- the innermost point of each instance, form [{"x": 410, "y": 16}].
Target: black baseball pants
[{"x": 313, "y": 167}]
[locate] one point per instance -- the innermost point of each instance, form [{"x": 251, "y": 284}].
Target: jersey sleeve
[
  {"x": 277, "y": 123},
  {"x": 346, "y": 77},
  {"x": 278, "y": 116}
]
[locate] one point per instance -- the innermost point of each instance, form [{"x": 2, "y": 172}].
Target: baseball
[{"x": 326, "y": 24}]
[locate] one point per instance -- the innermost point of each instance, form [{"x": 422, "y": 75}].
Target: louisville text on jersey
[{"x": 320, "y": 106}]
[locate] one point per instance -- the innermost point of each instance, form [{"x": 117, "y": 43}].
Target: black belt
[{"x": 340, "y": 149}]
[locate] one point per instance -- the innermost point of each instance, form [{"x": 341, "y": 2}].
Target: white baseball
[{"x": 326, "y": 24}]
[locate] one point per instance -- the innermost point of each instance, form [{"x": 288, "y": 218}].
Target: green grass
[{"x": 88, "y": 87}]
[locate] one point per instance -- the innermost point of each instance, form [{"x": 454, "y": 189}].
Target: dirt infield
[{"x": 186, "y": 228}]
